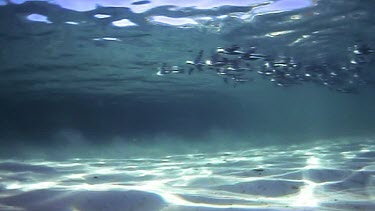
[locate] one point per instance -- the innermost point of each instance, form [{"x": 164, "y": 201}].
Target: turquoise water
[
  {"x": 101, "y": 73},
  {"x": 187, "y": 105}
]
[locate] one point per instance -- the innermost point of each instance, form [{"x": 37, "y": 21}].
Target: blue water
[
  {"x": 187, "y": 105},
  {"x": 100, "y": 72}
]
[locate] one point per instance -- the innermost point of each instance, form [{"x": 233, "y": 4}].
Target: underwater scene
[{"x": 199, "y": 105}]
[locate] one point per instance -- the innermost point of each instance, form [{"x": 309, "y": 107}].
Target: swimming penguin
[
  {"x": 252, "y": 56},
  {"x": 198, "y": 63},
  {"x": 240, "y": 80},
  {"x": 216, "y": 60},
  {"x": 362, "y": 49},
  {"x": 163, "y": 70},
  {"x": 177, "y": 69},
  {"x": 233, "y": 50},
  {"x": 282, "y": 62},
  {"x": 348, "y": 90}
]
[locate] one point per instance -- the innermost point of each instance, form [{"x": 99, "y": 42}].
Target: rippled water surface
[{"x": 115, "y": 47}]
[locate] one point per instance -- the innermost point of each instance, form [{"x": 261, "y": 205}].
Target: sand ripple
[{"x": 321, "y": 176}]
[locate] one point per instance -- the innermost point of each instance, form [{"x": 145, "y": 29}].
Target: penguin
[
  {"x": 362, "y": 49},
  {"x": 197, "y": 63},
  {"x": 233, "y": 50},
  {"x": 163, "y": 70}
]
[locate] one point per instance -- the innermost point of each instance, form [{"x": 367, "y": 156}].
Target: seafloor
[{"x": 335, "y": 175}]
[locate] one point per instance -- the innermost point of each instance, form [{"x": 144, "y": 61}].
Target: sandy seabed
[{"x": 320, "y": 176}]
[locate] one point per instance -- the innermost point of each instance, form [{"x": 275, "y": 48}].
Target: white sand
[{"x": 335, "y": 176}]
